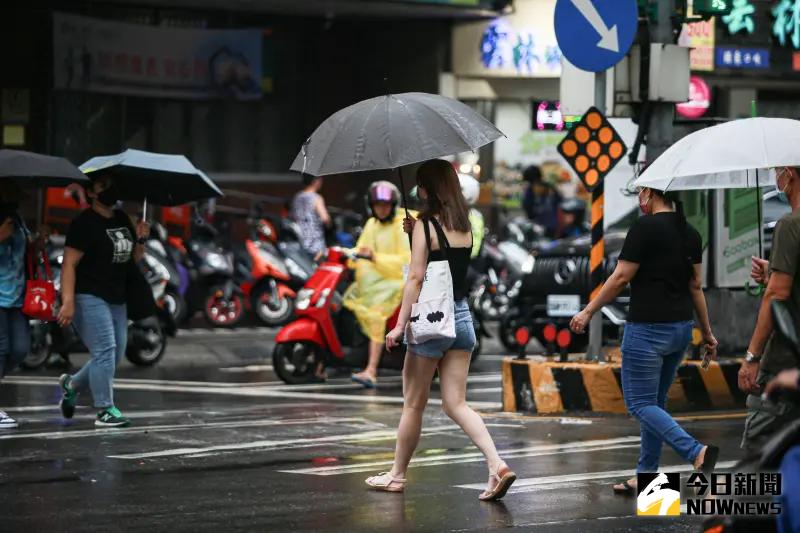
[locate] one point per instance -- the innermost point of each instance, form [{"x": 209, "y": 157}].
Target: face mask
[
  {"x": 782, "y": 196},
  {"x": 645, "y": 206},
  {"x": 109, "y": 197}
]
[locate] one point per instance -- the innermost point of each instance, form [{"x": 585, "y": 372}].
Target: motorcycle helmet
[
  {"x": 470, "y": 188},
  {"x": 383, "y": 191}
]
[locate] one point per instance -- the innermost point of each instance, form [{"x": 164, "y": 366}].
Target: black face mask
[{"x": 109, "y": 197}]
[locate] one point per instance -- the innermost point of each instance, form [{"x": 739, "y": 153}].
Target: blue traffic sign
[{"x": 595, "y": 35}]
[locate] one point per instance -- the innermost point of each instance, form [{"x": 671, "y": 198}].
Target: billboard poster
[
  {"x": 107, "y": 56},
  {"x": 735, "y": 235}
]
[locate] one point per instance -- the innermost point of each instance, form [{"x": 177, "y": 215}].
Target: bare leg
[
  {"x": 453, "y": 370},
  {"x": 417, "y": 376},
  {"x": 375, "y": 352}
]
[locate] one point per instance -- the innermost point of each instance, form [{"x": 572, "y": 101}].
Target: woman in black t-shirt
[
  {"x": 101, "y": 243},
  {"x": 661, "y": 259}
]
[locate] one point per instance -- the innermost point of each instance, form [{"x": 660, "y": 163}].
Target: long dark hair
[
  {"x": 683, "y": 227},
  {"x": 444, "y": 198}
]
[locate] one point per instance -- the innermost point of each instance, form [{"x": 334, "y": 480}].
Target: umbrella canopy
[
  {"x": 736, "y": 154},
  {"x": 161, "y": 179},
  {"x": 37, "y": 170},
  {"x": 392, "y": 131}
]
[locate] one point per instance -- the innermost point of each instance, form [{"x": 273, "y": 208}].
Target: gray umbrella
[
  {"x": 37, "y": 170},
  {"x": 393, "y": 131}
]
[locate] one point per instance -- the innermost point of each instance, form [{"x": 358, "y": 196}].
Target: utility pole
[
  {"x": 594, "y": 350},
  {"x": 659, "y": 135}
]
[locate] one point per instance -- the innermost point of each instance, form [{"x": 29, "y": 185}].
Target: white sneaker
[{"x": 6, "y": 422}]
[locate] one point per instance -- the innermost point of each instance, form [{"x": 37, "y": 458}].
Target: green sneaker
[
  {"x": 111, "y": 418},
  {"x": 68, "y": 396}
]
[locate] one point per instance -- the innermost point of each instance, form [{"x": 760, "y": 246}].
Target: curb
[{"x": 552, "y": 387}]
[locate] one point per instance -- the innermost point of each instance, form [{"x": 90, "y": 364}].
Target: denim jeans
[
  {"x": 103, "y": 328},
  {"x": 15, "y": 338},
  {"x": 651, "y": 355},
  {"x": 789, "y": 519}
]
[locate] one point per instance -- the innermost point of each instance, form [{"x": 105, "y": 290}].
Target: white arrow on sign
[{"x": 608, "y": 37}]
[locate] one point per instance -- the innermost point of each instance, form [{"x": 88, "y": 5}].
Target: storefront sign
[
  {"x": 740, "y": 19},
  {"x": 786, "y": 27},
  {"x": 115, "y": 57},
  {"x": 521, "y": 45},
  {"x": 699, "y": 36},
  {"x": 742, "y": 58},
  {"x": 699, "y": 99}
]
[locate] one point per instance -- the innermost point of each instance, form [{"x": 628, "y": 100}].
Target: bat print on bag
[
  {"x": 123, "y": 244},
  {"x": 414, "y": 318},
  {"x": 437, "y": 316}
]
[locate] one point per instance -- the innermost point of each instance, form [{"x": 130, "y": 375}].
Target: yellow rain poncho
[{"x": 378, "y": 289}]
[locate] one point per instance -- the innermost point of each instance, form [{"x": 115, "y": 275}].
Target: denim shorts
[{"x": 465, "y": 340}]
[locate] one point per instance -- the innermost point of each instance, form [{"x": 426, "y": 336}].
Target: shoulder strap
[
  {"x": 427, "y": 235},
  {"x": 444, "y": 246}
]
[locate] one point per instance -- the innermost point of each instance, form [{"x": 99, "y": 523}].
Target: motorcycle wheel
[
  {"x": 41, "y": 346},
  {"x": 296, "y": 362},
  {"x": 148, "y": 355},
  {"x": 223, "y": 312},
  {"x": 176, "y": 306},
  {"x": 271, "y": 312}
]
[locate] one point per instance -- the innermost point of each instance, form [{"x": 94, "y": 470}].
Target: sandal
[
  {"x": 384, "y": 481},
  {"x": 627, "y": 490},
  {"x": 505, "y": 478},
  {"x": 366, "y": 381},
  {"x": 710, "y": 459}
]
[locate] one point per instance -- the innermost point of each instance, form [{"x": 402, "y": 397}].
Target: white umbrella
[{"x": 736, "y": 154}]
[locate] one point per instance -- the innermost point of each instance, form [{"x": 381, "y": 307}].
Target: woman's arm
[
  {"x": 413, "y": 286},
  {"x": 322, "y": 211},
  {"x": 71, "y": 259},
  {"x": 622, "y": 275},
  {"x": 699, "y": 301}
]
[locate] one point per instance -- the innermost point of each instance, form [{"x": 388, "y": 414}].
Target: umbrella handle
[{"x": 756, "y": 290}]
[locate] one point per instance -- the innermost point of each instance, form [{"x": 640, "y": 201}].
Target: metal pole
[{"x": 597, "y": 254}]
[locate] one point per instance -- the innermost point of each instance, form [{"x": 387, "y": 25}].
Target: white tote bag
[{"x": 432, "y": 317}]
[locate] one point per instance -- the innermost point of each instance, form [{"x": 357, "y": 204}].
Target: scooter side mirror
[{"x": 783, "y": 316}]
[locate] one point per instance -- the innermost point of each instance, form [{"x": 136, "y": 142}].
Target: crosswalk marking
[{"x": 476, "y": 456}]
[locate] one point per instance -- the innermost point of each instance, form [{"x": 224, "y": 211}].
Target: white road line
[
  {"x": 471, "y": 457},
  {"x": 254, "y": 390},
  {"x": 35, "y": 408},
  {"x": 54, "y": 435},
  {"x": 486, "y": 390},
  {"x": 247, "y": 368},
  {"x": 363, "y": 436},
  {"x": 539, "y": 483}
]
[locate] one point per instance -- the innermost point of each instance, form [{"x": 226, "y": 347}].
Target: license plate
[{"x": 563, "y": 305}]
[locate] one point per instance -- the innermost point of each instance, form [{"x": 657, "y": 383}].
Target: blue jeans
[
  {"x": 651, "y": 355},
  {"x": 789, "y": 519},
  {"x": 15, "y": 338},
  {"x": 103, "y": 328}
]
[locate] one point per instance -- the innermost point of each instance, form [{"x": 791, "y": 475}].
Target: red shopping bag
[{"x": 40, "y": 294}]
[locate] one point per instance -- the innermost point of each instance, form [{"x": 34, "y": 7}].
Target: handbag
[
  {"x": 432, "y": 317},
  {"x": 40, "y": 294}
]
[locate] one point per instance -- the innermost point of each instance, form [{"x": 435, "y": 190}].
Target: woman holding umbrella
[
  {"x": 661, "y": 259},
  {"x": 446, "y": 210},
  {"x": 101, "y": 243}
]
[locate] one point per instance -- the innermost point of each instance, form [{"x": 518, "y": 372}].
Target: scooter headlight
[
  {"x": 304, "y": 299},
  {"x": 216, "y": 261}
]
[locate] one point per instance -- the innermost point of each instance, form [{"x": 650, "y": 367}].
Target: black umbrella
[
  {"x": 162, "y": 179},
  {"x": 37, "y": 170}
]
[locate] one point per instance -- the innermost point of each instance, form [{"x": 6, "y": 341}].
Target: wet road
[{"x": 218, "y": 443}]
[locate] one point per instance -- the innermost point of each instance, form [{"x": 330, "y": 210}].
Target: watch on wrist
[
  {"x": 752, "y": 358},
  {"x": 141, "y": 240}
]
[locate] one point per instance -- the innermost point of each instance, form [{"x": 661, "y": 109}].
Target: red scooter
[
  {"x": 324, "y": 332},
  {"x": 267, "y": 279}
]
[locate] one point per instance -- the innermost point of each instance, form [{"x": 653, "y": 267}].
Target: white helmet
[{"x": 470, "y": 188}]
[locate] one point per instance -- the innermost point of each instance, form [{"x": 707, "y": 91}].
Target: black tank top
[{"x": 457, "y": 258}]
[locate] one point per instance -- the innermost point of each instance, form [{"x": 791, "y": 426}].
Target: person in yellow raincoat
[{"x": 378, "y": 287}]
